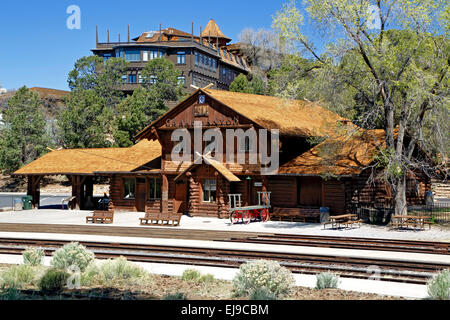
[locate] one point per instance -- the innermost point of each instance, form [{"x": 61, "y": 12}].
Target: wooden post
[{"x": 192, "y": 188}]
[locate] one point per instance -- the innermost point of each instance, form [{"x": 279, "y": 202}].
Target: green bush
[
  {"x": 72, "y": 254},
  {"x": 111, "y": 271},
  {"x": 175, "y": 296},
  {"x": 9, "y": 293},
  {"x": 17, "y": 276},
  {"x": 196, "y": 276},
  {"x": 327, "y": 280},
  {"x": 262, "y": 294},
  {"x": 262, "y": 274},
  {"x": 33, "y": 257},
  {"x": 439, "y": 286},
  {"x": 53, "y": 281}
]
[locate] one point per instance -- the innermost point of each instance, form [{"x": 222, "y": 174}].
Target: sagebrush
[
  {"x": 327, "y": 280},
  {"x": 439, "y": 286},
  {"x": 33, "y": 256},
  {"x": 262, "y": 274},
  {"x": 196, "y": 276},
  {"x": 72, "y": 255}
]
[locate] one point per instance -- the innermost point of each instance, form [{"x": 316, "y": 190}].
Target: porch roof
[{"x": 92, "y": 161}]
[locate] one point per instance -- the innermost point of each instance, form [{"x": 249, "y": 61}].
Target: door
[
  {"x": 181, "y": 197},
  {"x": 309, "y": 191},
  {"x": 140, "y": 195}
]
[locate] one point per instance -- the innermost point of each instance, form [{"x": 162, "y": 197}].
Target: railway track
[{"x": 386, "y": 270}]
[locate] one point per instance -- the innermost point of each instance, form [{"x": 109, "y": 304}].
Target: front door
[
  {"x": 181, "y": 196},
  {"x": 140, "y": 195}
]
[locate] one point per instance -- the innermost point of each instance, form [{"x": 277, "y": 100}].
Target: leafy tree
[
  {"x": 398, "y": 77},
  {"x": 160, "y": 84},
  {"x": 241, "y": 84},
  {"x": 23, "y": 137},
  {"x": 88, "y": 118}
]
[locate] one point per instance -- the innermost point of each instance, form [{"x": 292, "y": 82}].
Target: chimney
[
  {"x": 119, "y": 37},
  {"x": 108, "y": 35},
  {"x": 192, "y": 37}
]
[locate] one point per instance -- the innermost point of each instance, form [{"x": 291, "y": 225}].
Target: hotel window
[
  {"x": 153, "y": 79},
  {"x": 131, "y": 78},
  {"x": 214, "y": 65},
  {"x": 154, "y": 54},
  {"x": 132, "y": 55},
  {"x": 145, "y": 56},
  {"x": 182, "y": 80},
  {"x": 124, "y": 79},
  {"x": 154, "y": 188},
  {"x": 196, "y": 59},
  {"x": 141, "y": 79},
  {"x": 107, "y": 56},
  {"x": 181, "y": 57},
  {"x": 128, "y": 188},
  {"x": 209, "y": 190}
]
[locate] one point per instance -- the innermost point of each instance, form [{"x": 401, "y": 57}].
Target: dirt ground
[{"x": 158, "y": 286}]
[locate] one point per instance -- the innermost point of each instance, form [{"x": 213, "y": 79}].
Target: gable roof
[
  {"x": 89, "y": 161},
  {"x": 227, "y": 174},
  {"x": 291, "y": 117}
]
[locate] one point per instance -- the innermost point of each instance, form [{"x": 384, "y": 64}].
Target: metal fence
[{"x": 438, "y": 212}]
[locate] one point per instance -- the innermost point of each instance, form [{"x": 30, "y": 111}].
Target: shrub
[
  {"x": 53, "y": 281},
  {"x": 261, "y": 274},
  {"x": 175, "y": 296},
  {"x": 109, "y": 271},
  {"x": 17, "y": 276},
  {"x": 196, "y": 276},
  {"x": 439, "y": 286},
  {"x": 327, "y": 280},
  {"x": 72, "y": 254},
  {"x": 262, "y": 294},
  {"x": 190, "y": 275},
  {"x": 33, "y": 257},
  {"x": 9, "y": 293}
]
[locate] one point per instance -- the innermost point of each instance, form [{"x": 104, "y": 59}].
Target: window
[
  {"x": 106, "y": 56},
  {"x": 197, "y": 59},
  {"x": 182, "y": 80},
  {"x": 154, "y": 54},
  {"x": 209, "y": 190},
  {"x": 153, "y": 79},
  {"x": 214, "y": 65},
  {"x": 131, "y": 78},
  {"x": 132, "y": 55},
  {"x": 181, "y": 57},
  {"x": 155, "y": 188},
  {"x": 128, "y": 188},
  {"x": 141, "y": 79},
  {"x": 145, "y": 56},
  {"x": 124, "y": 79}
]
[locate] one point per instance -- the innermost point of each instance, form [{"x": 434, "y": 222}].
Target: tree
[
  {"x": 23, "y": 138},
  {"x": 263, "y": 51},
  {"x": 160, "y": 84},
  {"x": 399, "y": 77},
  {"x": 87, "y": 120},
  {"x": 241, "y": 84}
]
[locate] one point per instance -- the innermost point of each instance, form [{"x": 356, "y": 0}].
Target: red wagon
[{"x": 249, "y": 213}]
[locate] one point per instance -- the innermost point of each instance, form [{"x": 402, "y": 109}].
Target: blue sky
[{"x": 37, "y": 49}]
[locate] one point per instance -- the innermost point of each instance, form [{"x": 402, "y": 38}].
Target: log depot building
[{"x": 144, "y": 177}]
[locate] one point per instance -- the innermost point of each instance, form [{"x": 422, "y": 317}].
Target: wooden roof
[
  {"x": 89, "y": 161},
  {"x": 344, "y": 155},
  {"x": 212, "y": 30},
  {"x": 295, "y": 117}
]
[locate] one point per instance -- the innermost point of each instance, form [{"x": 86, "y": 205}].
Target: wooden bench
[
  {"x": 161, "y": 218},
  {"x": 295, "y": 214},
  {"x": 101, "y": 217}
]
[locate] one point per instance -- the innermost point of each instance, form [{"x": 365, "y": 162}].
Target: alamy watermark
[{"x": 73, "y": 22}]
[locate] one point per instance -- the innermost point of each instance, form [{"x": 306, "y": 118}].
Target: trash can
[
  {"x": 324, "y": 214},
  {"x": 429, "y": 198},
  {"x": 27, "y": 202}
]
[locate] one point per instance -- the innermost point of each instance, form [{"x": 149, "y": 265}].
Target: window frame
[
  {"x": 181, "y": 57},
  {"x": 124, "y": 183},
  {"x": 156, "y": 182},
  {"x": 207, "y": 191}
]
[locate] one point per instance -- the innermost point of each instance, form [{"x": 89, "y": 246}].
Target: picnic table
[
  {"x": 345, "y": 220},
  {"x": 406, "y": 221}
]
